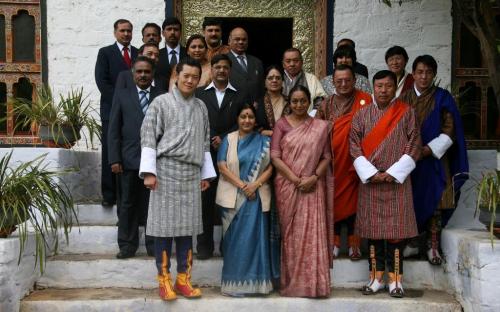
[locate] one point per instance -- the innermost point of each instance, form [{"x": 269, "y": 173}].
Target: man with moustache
[
  {"x": 173, "y": 51},
  {"x": 247, "y": 70},
  {"x": 223, "y": 101},
  {"x": 385, "y": 146},
  {"x": 151, "y": 33},
  {"x": 175, "y": 140},
  {"x": 124, "y": 150},
  {"x": 150, "y": 50},
  {"x": 111, "y": 60},
  {"x": 212, "y": 30}
]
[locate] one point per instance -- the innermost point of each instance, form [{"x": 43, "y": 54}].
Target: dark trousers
[
  {"x": 108, "y": 186},
  {"x": 133, "y": 210},
  {"x": 384, "y": 253},
  {"x": 205, "y": 241},
  {"x": 163, "y": 253},
  {"x": 349, "y": 222}
]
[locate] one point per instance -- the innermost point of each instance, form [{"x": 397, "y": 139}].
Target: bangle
[{"x": 259, "y": 184}]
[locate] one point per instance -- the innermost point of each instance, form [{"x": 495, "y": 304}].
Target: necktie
[
  {"x": 173, "y": 59},
  {"x": 126, "y": 57},
  {"x": 241, "y": 59},
  {"x": 143, "y": 100}
]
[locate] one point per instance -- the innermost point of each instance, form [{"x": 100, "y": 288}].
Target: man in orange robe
[{"x": 339, "y": 110}]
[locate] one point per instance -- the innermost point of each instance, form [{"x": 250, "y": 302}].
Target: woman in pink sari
[{"x": 300, "y": 151}]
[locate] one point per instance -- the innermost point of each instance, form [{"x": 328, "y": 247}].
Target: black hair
[
  {"x": 292, "y": 50},
  {"x": 343, "y": 67},
  {"x": 211, "y": 21},
  {"x": 171, "y": 21},
  {"x": 189, "y": 62},
  {"x": 349, "y": 41},
  {"x": 220, "y": 57},
  {"x": 299, "y": 87},
  {"x": 344, "y": 51},
  {"x": 195, "y": 37},
  {"x": 152, "y": 25},
  {"x": 271, "y": 67},
  {"x": 121, "y": 21},
  {"x": 148, "y": 44},
  {"x": 142, "y": 58},
  {"x": 384, "y": 74},
  {"x": 426, "y": 60},
  {"x": 396, "y": 50},
  {"x": 246, "y": 106}
]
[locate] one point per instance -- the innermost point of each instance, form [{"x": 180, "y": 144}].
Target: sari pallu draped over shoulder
[
  {"x": 306, "y": 219},
  {"x": 247, "y": 266}
]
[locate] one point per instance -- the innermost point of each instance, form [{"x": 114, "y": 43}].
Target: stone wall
[
  {"x": 77, "y": 29},
  {"x": 16, "y": 280},
  {"x": 422, "y": 27}
]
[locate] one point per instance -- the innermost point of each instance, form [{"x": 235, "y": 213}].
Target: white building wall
[
  {"x": 77, "y": 29},
  {"x": 421, "y": 27}
]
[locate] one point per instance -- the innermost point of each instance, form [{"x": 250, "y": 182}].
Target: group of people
[{"x": 203, "y": 135}]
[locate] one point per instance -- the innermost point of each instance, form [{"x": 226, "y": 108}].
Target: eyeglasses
[{"x": 271, "y": 78}]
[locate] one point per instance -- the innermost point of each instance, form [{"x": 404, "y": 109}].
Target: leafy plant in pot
[
  {"x": 488, "y": 201},
  {"x": 59, "y": 123},
  {"x": 33, "y": 201}
]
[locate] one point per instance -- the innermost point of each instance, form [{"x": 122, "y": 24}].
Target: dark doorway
[{"x": 267, "y": 37}]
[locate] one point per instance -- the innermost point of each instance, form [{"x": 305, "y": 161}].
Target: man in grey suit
[
  {"x": 124, "y": 149},
  {"x": 247, "y": 70}
]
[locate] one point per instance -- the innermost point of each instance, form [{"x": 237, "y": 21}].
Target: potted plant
[
  {"x": 488, "y": 200},
  {"x": 59, "y": 124},
  {"x": 32, "y": 201}
]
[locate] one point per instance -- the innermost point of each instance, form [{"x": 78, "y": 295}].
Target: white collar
[
  {"x": 177, "y": 49},
  {"x": 121, "y": 46},
  {"x": 236, "y": 55},
  {"x": 228, "y": 86},
  {"x": 148, "y": 89}
]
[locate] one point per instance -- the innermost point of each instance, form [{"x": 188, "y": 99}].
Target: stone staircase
[{"x": 86, "y": 276}]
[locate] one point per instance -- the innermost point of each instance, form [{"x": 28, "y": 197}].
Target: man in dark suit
[
  {"x": 223, "y": 102},
  {"x": 111, "y": 60},
  {"x": 126, "y": 78},
  {"x": 124, "y": 148},
  {"x": 358, "y": 67},
  {"x": 173, "y": 51},
  {"x": 247, "y": 70}
]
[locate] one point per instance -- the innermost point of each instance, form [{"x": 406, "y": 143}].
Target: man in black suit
[
  {"x": 124, "y": 148},
  {"x": 126, "y": 78},
  {"x": 151, "y": 33},
  {"x": 357, "y": 67},
  {"x": 173, "y": 51},
  {"x": 247, "y": 70},
  {"x": 111, "y": 60},
  {"x": 223, "y": 102}
]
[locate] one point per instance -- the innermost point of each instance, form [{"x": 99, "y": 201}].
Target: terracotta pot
[
  {"x": 496, "y": 232},
  {"x": 4, "y": 233}
]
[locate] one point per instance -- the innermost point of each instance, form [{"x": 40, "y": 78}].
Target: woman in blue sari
[{"x": 245, "y": 197}]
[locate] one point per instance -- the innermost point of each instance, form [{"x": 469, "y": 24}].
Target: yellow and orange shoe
[
  {"x": 166, "y": 289},
  {"x": 183, "y": 286}
]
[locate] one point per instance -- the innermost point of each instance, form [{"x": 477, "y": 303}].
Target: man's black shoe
[
  {"x": 204, "y": 255},
  {"x": 107, "y": 204},
  {"x": 124, "y": 255}
]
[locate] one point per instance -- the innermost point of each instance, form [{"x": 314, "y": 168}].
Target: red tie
[{"x": 126, "y": 57}]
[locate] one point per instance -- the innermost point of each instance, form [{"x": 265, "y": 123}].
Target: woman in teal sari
[{"x": 245, "y": 197}]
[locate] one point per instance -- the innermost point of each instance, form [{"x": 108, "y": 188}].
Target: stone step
[
  {"x": 126, "y": 299},
  {"x": 102, "y": 239},
  {"x": 95, "y": 214},
  {"x": 101, "y": 271}
]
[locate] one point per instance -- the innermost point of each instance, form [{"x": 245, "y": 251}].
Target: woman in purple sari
[{"x": 300, "y": 152}]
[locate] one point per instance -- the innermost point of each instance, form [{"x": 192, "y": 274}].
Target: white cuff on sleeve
[
  {"x": 364, "y": 169},
  {"x": 402, "y": 168},
  {"x": 148, "y": 162},
  {"x": 440, "y": 145},
  {"x": 208, "y": 170}
]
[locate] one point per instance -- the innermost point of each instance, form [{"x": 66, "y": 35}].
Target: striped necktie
[
  {"x": 143, "y": 100},
  {"x": 241, "y": 59},
  {"x": 173, "y": 59}
]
